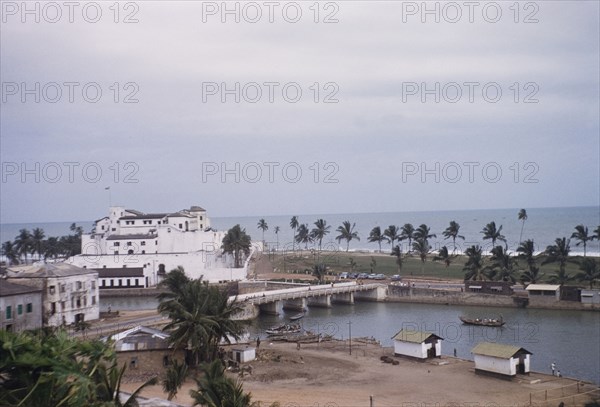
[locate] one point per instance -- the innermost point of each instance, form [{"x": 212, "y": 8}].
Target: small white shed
[
  {"x": 500, "y": 359},
  {"x": 417, "y": 344},
  {"x": 243, "y": 355},
  {"x": 544, "y": 291}
]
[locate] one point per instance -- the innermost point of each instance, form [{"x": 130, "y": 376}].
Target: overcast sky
[{"x": 381, "y": 143}]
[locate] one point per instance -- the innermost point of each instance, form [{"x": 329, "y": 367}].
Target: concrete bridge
[{"x": 298, "y": 298}]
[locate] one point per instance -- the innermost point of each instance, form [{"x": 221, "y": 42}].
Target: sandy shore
[{"x": 327, "y": 375}]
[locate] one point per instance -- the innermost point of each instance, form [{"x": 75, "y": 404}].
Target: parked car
[
  {"x": 396, "y": 277},
  {"x": 379, "y": 277},
  {"x": 363, "y": 275},
  {"x": 353, "y": 275},
  {"x": 343, "y": 275}
]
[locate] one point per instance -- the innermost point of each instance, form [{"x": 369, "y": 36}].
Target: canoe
[
  {"x": 297, "y": 317},
  {"x": 482, "y": 321}
]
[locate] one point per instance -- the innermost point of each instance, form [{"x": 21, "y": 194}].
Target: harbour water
[{"x": 568, "y": 338}]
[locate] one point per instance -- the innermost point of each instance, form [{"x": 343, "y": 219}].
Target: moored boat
[
  {"x": 482, "y": 321},
  {"x": 297, "y": 316}
]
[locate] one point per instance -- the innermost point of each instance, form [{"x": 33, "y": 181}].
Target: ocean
[{"x": 543, "y": 225}]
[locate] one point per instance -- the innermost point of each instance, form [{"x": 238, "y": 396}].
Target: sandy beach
[{"x": 326, "y": 374}]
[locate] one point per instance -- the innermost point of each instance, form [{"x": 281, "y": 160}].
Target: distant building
[
  {"x": 590, "y": 296},
  {"x": 489, "y": 287},
  {"x": 243, "y": 355},
  {"x": 417, "y": 344},
  {"x": 134, "y": 249},
  {"x": 543, "y": 293},
  {"x": 69, "y": 293},
  {"x": 501, "y": 360},
  {"x": 20, "y": 307},
  {"x": 144, "y": 350}
]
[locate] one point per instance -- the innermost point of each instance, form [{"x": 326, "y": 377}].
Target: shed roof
[
  {"x": 7, "y": 288},
  {"x": 497, "y": 350},
  {"x": 47, "y": 270},
  {"x": 155, "y": 333},
  {"x": 543, "y": 287},
  {"x": 414, "y": 336}
]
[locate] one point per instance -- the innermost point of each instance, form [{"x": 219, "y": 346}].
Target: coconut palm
[
  {"x": 423, "y": 232},
  {"x": 51, "y": 248},
  {"x": 452, "y": 232},
  {"x": 474, "y": 266},
  {"x": 319, "y": 271},
  {"x": 320, "y": 230},
  {"x": 503, "y": 265},
  {"x": 376, "y": 236},
  {"x": 215, "y": 389},
  {"x": 532, "y": 275},
  {"x": 347, "y": 233},
  {"x": 397, "y": 251},
  {"x": 37, "y": 239},
  {"x": 262, "y": 224},
  {"x": 522, "y": 217},
  {"x": 559, "y": 253},
  {"x": 23, "y": 243},
  {"x": 373, "y": 264},
  {"x": 582, "y": 236},
  {"x": 590, "y": 272},
  {"x": 422, "y": 248},
  {"x": 236, "y": 242},
  {"x": 294, "y": 225},
  {"x": 392, "y": 233},
  {"x": 444, "y": 256},
  {"x": 10, "y": 251},
  {"x": 526, "y": 251},
  {"x": 490, "y": 232},
  {"x": 174, "y": 378},
  {"x": 276, "y": 230},
  {"x": 304, "y": 236},
  {"x": 407, "y": 232}
]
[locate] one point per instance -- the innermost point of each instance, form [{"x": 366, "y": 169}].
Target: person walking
[{"x": 553, "y": 367}]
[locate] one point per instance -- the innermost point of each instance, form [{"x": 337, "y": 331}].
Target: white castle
[{"x": 130, "y": 248}]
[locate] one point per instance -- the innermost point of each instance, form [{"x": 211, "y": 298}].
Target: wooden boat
[
  {"x": 482, "y": 322},
  {"x": 297, "y": 316},
  {"x": 283, "y": 330}
]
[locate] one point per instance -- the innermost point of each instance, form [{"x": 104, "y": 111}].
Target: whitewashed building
[
  {"x": 417, "y": 344},
  {"x": 543, "y": 293},
  {"x": 69, "y": 293},
  {"x": 20, "y": 307},
  {"x": 244, "y": 355},
  {"x": 590, "y": 296},
  {"x": 499, "y": 359},
  {"x": 133, "y": 249}
]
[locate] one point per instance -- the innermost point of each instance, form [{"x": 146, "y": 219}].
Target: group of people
[{"x": 555, "y": 371}]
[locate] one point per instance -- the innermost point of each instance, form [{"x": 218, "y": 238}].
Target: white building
[
  {"x": 134, "y": 249},
  {"x": 69, "y": 293},
  {"x": 243, "y": 355},
  {"x": 499, "y": 359},
  {"x": 590, "y": 296},
  {"x": 20, "y": 307},
  {"x": 541, "y": 293},
  {"x": 417, "y": 344}
]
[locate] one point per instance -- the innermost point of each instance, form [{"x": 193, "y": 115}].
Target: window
[
  {"x": 102, "y": 227},
  {"x": 29, "y": 308},
  {"x": 128, "y": 282},
  {"x": 53, "y": 308},
  {"x": 143, "y": 243},
  {"x": 78, "y": 302},
  {"x": 85, "y": 301},
  {"x": 113, "y": 229},
  {"x": 79, "y": 285},
  {"x": 103, "y": 283},
  {"x": 133, "y": 363},
  {"x": 112, "y": 282},
  {"x": 130, "y": 251},
  {"x": 72, "y": 302},
  {"x": 143, "y": 251},
  {"x": 116, "y": 252},
  {"x": 63, "y": 305},
  {"x": 128, "y": 243},
  {"x": 51, "y": 289},
  {"x": 156, "y": 242},
  {"x": 120, "y": 282},
  {"x": 136, "y": 282},
  {"x": 180, "y": 226},
  {"x": 20, "y": 309},
  {"x": 62, "y": 288},
  {"x": 93, "y": 285},
  {"x": 8, "y": 312},
  {"x": 117, "y": 243},
  {"x": 93, "y": 300}
]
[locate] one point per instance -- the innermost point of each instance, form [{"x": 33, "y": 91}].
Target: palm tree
[
  {"x": 392, "y": 233},
  {"x": 522, "y": 217},
  {"x": 276, "y": 230},
  {"x": 373, "y": 264},
  {"x": 422, "y": 248},
  {"x": 590, "y": 272},
  {"x": 319, "y": 271},
  {"x": 423, "y": 232},
  {"x": 407, "y": 232},
  {"x": 77, "y": 229},
  {"x": 559, "y": 253},
  {"x": 474, "y": 266},
  {"x": 174, "y": 378},
  {"x": 376, "y": 236},
  {"x": 262, "y": 224},
  {"x": 531, "y": 276},
  {"x": 347, "y": 233},
  {"x": 581, "y": 234},
  {"x": 397, "y": 251},
  {"x": 303, "y": 235},
  {"x": 526, "y": 251},
  {"x": 51, "y": 248},
  {"x": 320, "y": 230},
  {"x": 443, "y": 255},
  {"x": 215, "y": 389},
  {"x": 10, "y": 251},
  {"x": 37, "y": 239},
  {"x": 490, "y": 232},
  {"x": 294, "y": 225},
  {"x": 236, "y": 242},
  {"x": 452, "y": 232},
  {"x": 503, "y": 266},
  {"x": 23, "y": 243}
]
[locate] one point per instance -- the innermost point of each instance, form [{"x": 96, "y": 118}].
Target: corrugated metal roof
[
  {"x": 8, "y": 288},
  {"x": 413, "y": 336},
  {"x": 543, "y": 287},
  {"x": 497, "y": 350},
  {"x": 47, "y": 270},
  {"x": 120, "y": 272}
]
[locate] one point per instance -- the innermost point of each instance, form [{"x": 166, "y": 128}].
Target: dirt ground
[{"x": 326, "y": 375}]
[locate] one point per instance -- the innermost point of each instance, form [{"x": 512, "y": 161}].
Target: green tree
[
  {"x": 423, "y": 233},
  {"x": 276, "y": 230},
  {"x": 10, "y": 251},
  {"x": 559, "y": 253},
  {"x": 422, "y": 248},
  {"x": 397, "y": 252},
  {"x": 373, "y": 264},
  {"x": 37, "y": 240},
  {"x": 392, "y": 233},
  {"x": 526, "y": 251},
  {"x": 320, "y": 230},
  {"x": 490, "y": 232},
  {"x": 582, "y": 236},
  {"x": 376, "y": 236},
  {"x": 474, "y": 266},
  {"x": 174, "y": 378},
  {"x": 444, "y": 256},
  {"x": 503, "y": 265},
  {"x": 294, "y": 225},
  {"x": 590, "y": 272},
  {"x": 236, "y": 242},
  {"x": 347, "y": 233},
  {"x": 304, "y": 236},
  {"x": 319, "y": 271},
  {"x": 262, "y": 224},
  {"x": 23, "y": 243},
  {"x": 407, "y": 233},
  {"x": 452, "y": 232},
  {"x": 522, "y": 217},
  {"x": 215, "y": 389}
]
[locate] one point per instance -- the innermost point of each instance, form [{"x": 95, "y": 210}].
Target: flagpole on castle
[{"x": 109, "y": 196}]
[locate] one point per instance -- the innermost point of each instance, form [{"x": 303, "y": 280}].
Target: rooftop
[
  {"x": 414, "y": 336},
  {"x": 7, "y": 288},
  {"x": 497, "y": 350},
  {"x": 132, "y": 236},
  {"x": 47, "y": 270},
  {"x": 543, "y": 287}
]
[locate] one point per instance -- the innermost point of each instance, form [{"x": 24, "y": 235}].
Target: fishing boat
[
  {"x": 297, "y": 316},
  {"x": 283, "y": 330},
  {"x": 482, "y": 321}
]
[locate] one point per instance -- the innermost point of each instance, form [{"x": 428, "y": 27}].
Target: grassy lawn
[{"x": 337, "y": 262}]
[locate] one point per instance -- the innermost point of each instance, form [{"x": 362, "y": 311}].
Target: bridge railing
[{"x": 311, "y": 291}]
